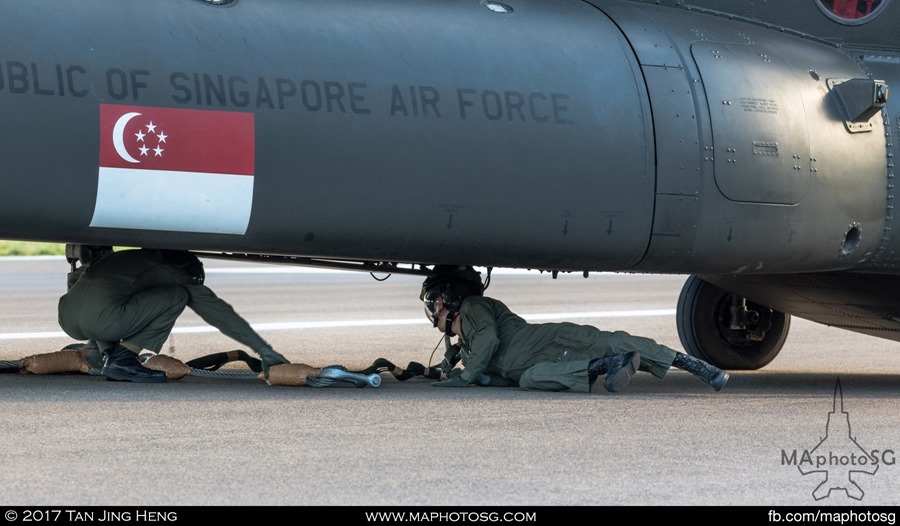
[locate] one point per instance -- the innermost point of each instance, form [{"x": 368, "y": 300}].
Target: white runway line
[{"x": 301, "y": 325}]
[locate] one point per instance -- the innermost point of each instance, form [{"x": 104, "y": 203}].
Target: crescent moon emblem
[{"x": 118, "y": 136}]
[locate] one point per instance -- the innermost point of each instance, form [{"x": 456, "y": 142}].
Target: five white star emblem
[{"x": 143, "y": 137}]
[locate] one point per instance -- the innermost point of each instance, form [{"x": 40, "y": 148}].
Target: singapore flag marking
[{"x": 175, "y": 169}]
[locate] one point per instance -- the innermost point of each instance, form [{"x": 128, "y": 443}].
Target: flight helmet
[
  {"x": 187, "y": 262},
  {"x": 452, "y": 285}
]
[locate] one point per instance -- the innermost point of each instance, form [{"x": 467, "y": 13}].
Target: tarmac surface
[{"x": 80, "y": 440}]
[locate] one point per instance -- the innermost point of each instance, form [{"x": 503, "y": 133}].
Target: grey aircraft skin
[{"x": 746, "y": 143}]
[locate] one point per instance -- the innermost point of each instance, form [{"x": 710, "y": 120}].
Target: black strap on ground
[
  {"x": 212, "y": 362},
  {"x": 382, "y": 365}
]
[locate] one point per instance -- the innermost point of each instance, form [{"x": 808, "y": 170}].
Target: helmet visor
[
  {"x": 432, "y": 316},
  {"x": 433, "y": 304}
]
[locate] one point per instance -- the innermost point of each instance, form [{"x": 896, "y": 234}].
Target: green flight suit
[
  {"x": 137, "y": 295},
  {"x": 543, "y": 356}
]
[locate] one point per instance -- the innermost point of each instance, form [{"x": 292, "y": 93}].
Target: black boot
[
  {"x": 93, "y": 357},
  {"x": 123, "y": 365},
  {"x": 618, "y": 369},
  {"x": 707, "y": 372}
]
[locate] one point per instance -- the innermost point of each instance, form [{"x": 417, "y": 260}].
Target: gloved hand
[
  {"x": 453, "y": 382},
  {"x": 453, "y": 373},
  {"x": 269, "y": 357},
  {"x": 451, "y": 358},
  {"x": 445, "y": 366}
]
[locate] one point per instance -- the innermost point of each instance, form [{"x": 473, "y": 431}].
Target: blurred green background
[{"x": 25, "y": 248}]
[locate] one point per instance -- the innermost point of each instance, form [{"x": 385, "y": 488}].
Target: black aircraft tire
[{"x": 703, "y": 329}]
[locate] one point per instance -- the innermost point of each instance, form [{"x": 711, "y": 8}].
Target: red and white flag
[{"x": 175, "y": 169}]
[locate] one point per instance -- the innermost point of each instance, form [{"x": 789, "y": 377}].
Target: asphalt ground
[{"x": 79, "y": 440}]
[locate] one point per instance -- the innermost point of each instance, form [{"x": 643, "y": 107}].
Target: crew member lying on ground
[{"x": 498, "y": 347}]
